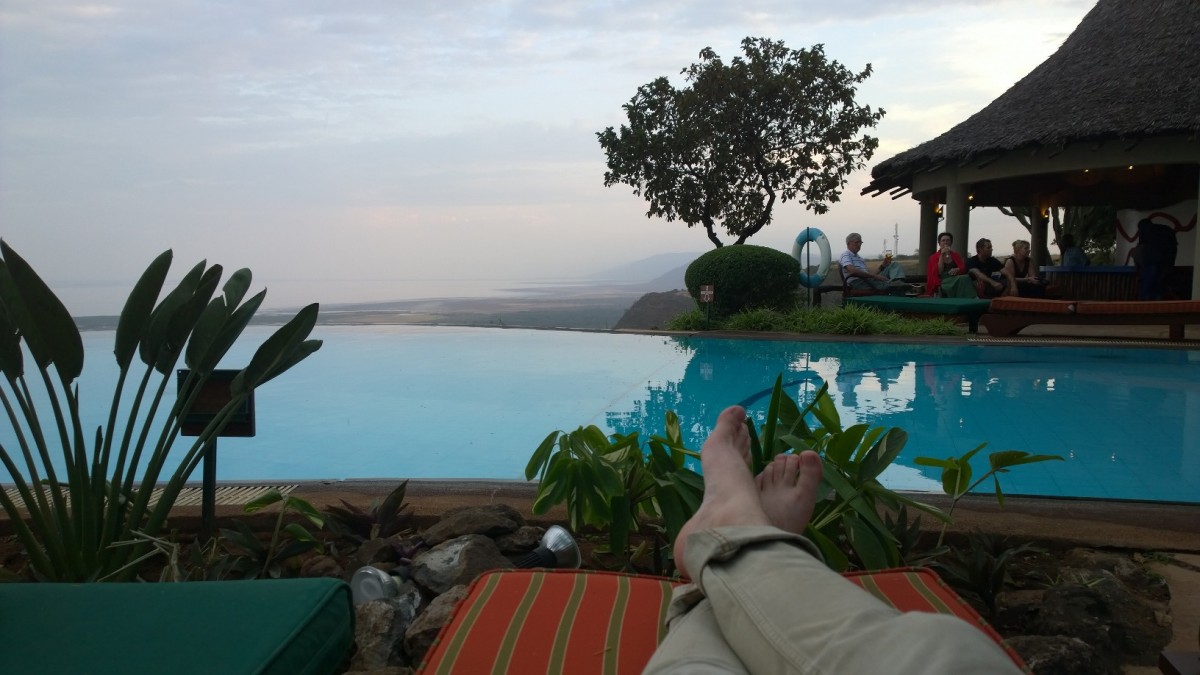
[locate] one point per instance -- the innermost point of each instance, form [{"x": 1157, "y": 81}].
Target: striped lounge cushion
[
  {"x": 571, "y": 621},
  {"x": 1140, "y": 307},
  {"x": 1039, "y": 305}
]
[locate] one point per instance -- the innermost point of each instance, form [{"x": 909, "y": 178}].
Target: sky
[{"x": 386, "y": 149}]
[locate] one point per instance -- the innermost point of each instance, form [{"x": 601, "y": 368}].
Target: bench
[
  {"x": 1008, "y": 316},
  {"x": 835, "y": 284},
  {"x": 969, "y": 308}
]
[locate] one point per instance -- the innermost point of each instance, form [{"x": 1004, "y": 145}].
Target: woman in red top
[{"x": 944, "y": 263}]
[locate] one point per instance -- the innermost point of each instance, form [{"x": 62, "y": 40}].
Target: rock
[
  {"x": 653, "y": 311},
  {"x": 374, "y": 551},
  {"x": 1106, "y": 616},
  {"x": 524, "y": 540},
  {"x": 321, "y": 566},
  {"x": 1124, "y": 567},
  {"x": 380, "y": 626},
  {"x": 374, "y": 635},
  {"x": 1061, "y": 655},
  {"x": 492, "y": 520},
  {"x": 421, "y": 634},
  {"x": 457, "y": 562}
]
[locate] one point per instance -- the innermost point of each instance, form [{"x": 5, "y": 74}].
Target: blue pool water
[{"x": 426, "y": 402}]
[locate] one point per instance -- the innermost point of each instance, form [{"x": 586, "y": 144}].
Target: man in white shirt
[{"x": 858, "y": 276}]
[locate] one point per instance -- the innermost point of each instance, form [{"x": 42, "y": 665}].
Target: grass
[{"x": 853, "y": 320}]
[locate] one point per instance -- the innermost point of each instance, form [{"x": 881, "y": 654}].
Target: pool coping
[{"x": 1159, "y": 526}]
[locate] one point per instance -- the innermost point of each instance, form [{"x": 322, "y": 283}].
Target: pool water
[{"x": 435, "y": 402}]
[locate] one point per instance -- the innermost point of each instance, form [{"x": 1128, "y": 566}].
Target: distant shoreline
[{"x": 596, "y": 308}]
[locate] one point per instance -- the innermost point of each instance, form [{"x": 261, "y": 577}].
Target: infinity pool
[{"x": 433, "y": 402}]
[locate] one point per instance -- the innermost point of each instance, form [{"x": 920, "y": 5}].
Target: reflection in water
[{"x": 1091, "y": 406}]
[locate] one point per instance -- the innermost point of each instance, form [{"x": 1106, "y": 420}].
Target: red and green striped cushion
[{"x": 607, "y": 623}]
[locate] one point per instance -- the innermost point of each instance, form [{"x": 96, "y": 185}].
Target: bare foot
[
  {"x": 788, "y": 488},
  {"x": 730, "y": 495}
]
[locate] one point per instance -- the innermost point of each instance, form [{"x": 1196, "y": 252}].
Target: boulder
[
  {"x": 1107, "y": 616},
  {"x": 420, "y": 635},
  {"x": 524, "y": 540},
  {"x": 380, "y": 626},
  {"x": 492, "y": 520},
  {"x": 457, "y": 562},
  {"x": 1061, "y": 655}
]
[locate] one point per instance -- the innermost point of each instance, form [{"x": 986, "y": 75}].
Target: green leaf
[
  {"x": 933, "y": 461},
  {"x": 231, "y": 329},
  {"x": 956, "y": 479},
  {"x": 263, "y": 501},
  {"x": 155, "y": 335},
  {"x": 279, "y": 351},
  {"x": 297, "y": 531},
  {"x": 835, "y": 559},
  {"x": 12, "y": 363},
  {"x": 1010, "y": 458},
  {"x": 883, "y": 453},
  {"x": 47, "y": 326},
  {"x": 138, "y": 306},
  {"x": 867, "y": 543},
  {"x": 541, "y": 456},
  {"x": 306, "y": 509},
  {"x": 236, "y": 287},
  {"x": 620, "y": 523}
]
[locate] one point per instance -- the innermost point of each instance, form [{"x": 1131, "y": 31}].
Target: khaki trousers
[{"x": 764, "y": 603}]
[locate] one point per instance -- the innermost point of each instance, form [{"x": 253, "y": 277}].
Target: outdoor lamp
[
  {"x": 556, "y": 549},
  {"x": 371, "y": 583}
]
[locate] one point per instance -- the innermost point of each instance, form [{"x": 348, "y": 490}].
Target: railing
[{"x": 1111, "y": 282}]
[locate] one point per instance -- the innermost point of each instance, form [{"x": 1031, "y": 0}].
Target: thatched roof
[{"x": 1130, "y": 70}]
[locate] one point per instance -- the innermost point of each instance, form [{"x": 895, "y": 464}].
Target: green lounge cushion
[{"x": 293, "y": 626}]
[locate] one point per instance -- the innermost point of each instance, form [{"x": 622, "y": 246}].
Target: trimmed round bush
[{"x": 746, "y": 277}]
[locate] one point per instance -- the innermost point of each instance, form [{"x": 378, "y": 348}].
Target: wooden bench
[
  {"x": 969, "y": 308},
  {"x": 1008, "y": 316}
]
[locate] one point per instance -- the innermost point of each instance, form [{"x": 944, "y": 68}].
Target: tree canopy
[
  {"x": 1093, "y": 227},
  {"x": 775, "y": 125}
]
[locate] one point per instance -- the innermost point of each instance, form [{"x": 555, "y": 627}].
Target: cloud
[{"x": 381, "y": 140}]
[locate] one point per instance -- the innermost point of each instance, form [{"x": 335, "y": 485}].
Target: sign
[{"x": 707, "y": 292}]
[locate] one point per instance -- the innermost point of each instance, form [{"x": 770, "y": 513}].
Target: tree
[
  {"x": 1094, "y": 228},
  {"x": 777, "y": 125}
]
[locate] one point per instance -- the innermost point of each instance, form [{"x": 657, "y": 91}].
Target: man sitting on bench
[{"x": 854, "y": 269}]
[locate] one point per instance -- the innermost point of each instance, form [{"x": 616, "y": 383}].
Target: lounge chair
[
  {"x": 289, "y": 627},
  {"x": 1008, "y": 316},
  {"x": 580, "y": 622}
]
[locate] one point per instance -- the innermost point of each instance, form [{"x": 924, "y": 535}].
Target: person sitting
[
  {"x": 760, "y": 599},
  {"x": 890, "y": 276},
  {"x": 1025, "y": 281},
  {"x": 987, "y": 271},
  {"x": 946, "y": 273},
  {"x": 1072, "y": 255}
]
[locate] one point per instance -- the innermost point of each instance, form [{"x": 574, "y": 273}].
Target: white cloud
[{"x": 382, "y": 140}]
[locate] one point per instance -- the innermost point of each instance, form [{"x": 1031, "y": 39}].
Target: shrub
[
  {"x": 746, "y": 277},
  {"x": 693, "y": 320},
  {"x": 757, "y": 319}
]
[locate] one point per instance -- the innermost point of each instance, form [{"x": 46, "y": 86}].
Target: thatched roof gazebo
[{"x": 1112, "y": 117}]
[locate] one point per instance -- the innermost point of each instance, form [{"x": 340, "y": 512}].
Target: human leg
[{"x": 778, "y": 608}]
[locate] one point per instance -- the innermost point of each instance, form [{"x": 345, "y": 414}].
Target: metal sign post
[
  {"x": 707, "y": 293},
  {"x": 213, "y": 396}
]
